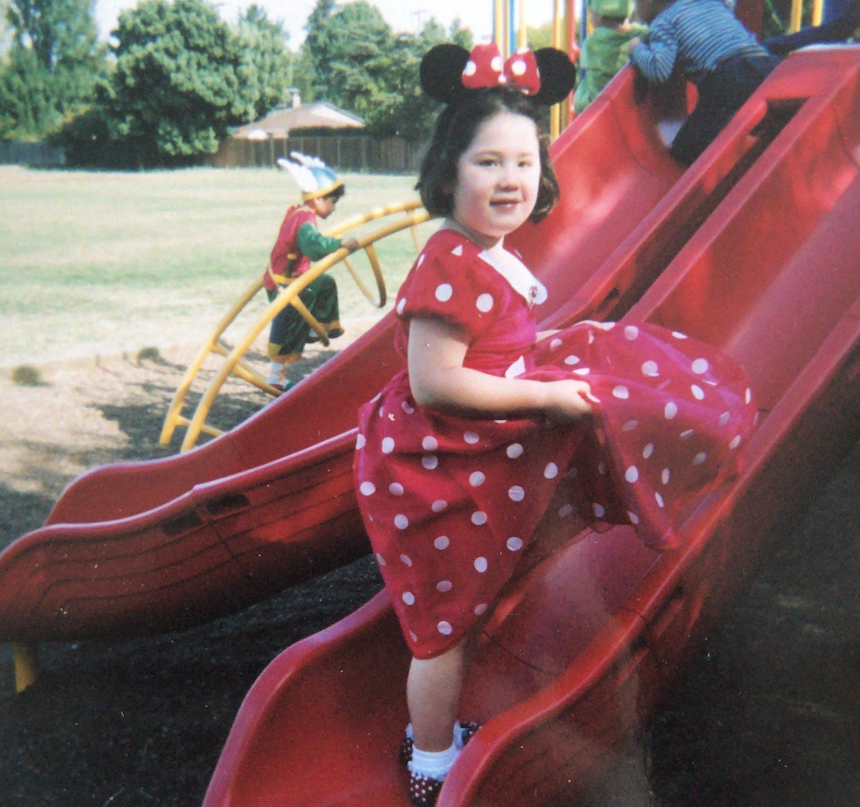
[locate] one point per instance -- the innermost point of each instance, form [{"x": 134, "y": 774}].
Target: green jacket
[{"x": 603, "y": 55}]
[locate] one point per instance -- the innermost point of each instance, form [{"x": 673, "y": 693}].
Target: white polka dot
[
  {"x": 583, "y": 371},
  {"x": 630, "y": 425},
  {"x": 481, "y": 565},
  {"x": 518, "y": 68},
  {"x": 551, "y": 471},
  {"x": 724, "y": 418},
  {"x": 748, "y": 395},
  {"x": 631, "y": 474},
  {"x": 571, "y": 360},
  {"x": 514, "y": 450},
  {"x": 700, "y": 458},
  {"x": 444, "y": 586},
  {"x": 592, "y": 397},
  {"x": 648, "y": 450},
  {"x": 516, "y": 493},
  {"x": 439, "y": 506},
  {"x": 406, "y": 560},
  {"x": 470, "y": 69},
  {"x": 496, "y": 64},
  {"x": 565, "y": 510},
  {"x": 480, "y": 608},
  {"x": 401, "y": 304},
  {"x": 445, "y": 628},
  {"x": 387, "y": 445},
  {"x": 571, "y": 472},
  {"x": 380, "y": 560},
  {"x": 430, "y": 461},
  {"x": 484, "y": 303},
  {"x": 631, "y": 332},
  {"x": 442, "y": 542},
  {"x": 360, "y": 441},
  {"x": 686, "y": 435},
  {"x": 408, "y": 597},
  {"x": 679, "y": 335},
  {"x": 514, "y": 544},
  {"x": 401, "y": 522},
  {"x": 670, "y": 410},
  {"x": 471, "y": 438},
  {"x": 736, "y": 441},
  {"x": 700, "y": 366},
  {"x": 407, "y": 407},
  {"x": 413, "y": 636},
  {"x": 429, "y": 443},
  {"x": 476, "y": 479},
  {"x": 601, "y": 467},
  {"x": 659, "y": 499},
  {"x": 599, "y": 510},
  {"x": 650, "y": 369},
  {"x": 665, "y": 476},
  {"x": 444, "y": 292},
  {"x": 634, "y": 519},
  {"x": 555, "y": 344},
  {"x": 421, "y": 258},
  {"x": 479, "y": 517},
  {"x": 621, "y": 392},
  {"x": 395, "y": 489},
  {"x": 698, "y": 392},
  {"x": 458, "y": 250},
  {"x": 367, "y": 488}
]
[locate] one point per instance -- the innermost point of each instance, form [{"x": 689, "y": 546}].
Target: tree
[
  {"x": 52, "y": 66},
  {"x": 179, "y": 83},
  {"x": 266, "y": 67}
]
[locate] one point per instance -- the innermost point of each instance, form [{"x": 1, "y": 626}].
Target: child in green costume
[{"x": 604, "y": 51}]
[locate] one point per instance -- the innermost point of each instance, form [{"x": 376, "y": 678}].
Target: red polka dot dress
[{"x": 450, "y": 502}]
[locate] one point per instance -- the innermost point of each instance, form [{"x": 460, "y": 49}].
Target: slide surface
[{"x": 588, "y": 636}]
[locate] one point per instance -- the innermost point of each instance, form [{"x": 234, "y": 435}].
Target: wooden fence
[
  {"x": 343, "y": 152},
  {"x": 21, "y": 152}
]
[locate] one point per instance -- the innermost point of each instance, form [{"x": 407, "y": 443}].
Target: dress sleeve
[{"x": 451, "y": 282}]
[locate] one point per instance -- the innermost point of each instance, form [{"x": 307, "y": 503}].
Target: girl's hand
[
  {"x": 350, "y": 243},
  {"x": 564, "y": 401}
]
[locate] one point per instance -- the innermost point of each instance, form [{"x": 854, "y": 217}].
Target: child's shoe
[{"x": 423, "y": 791}]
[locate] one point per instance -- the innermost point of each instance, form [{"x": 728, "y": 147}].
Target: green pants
[{"x": 289, "y": 332}]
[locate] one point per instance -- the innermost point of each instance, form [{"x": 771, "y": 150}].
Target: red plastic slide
[{"x": 589, "y": 635}]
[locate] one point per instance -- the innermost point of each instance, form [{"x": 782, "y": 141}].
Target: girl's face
[{"x": 498, "y": 177}]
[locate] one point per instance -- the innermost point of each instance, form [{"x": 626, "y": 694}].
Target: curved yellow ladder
[{"x": 288, "y": 296}]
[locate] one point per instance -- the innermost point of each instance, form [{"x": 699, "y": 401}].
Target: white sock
[
  {"x": 458, "y": 735},
  {"x": 433, "y": 764},
  {"x": 276, "y": 372}
]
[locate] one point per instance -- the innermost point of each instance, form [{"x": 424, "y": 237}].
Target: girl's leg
[{"x": 433, "y": 695}]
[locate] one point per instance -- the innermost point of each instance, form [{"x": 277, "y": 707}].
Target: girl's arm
[{"x": 440, "y": 381}]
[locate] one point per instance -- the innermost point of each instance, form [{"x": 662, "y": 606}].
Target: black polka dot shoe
[{"x": 423, "y": 791}]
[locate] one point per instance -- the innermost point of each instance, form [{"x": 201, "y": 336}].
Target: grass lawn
[{"x": 103, "y": 262}]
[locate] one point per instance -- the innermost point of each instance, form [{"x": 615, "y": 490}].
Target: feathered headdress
[
  {"x": 450, "y": 73},
  {"x": 312, "y": 175}
]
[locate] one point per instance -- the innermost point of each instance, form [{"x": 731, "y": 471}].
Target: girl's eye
[{"x": 488, "y": 161}]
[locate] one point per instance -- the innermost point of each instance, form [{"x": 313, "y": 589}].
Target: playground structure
[
  {"x": 234, "y": 362},
  {"x": 753, "y": 250}
]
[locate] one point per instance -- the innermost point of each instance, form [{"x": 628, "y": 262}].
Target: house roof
[{"x": 281, "y": 121}]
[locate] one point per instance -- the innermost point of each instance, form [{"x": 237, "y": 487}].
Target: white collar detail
[{"x": 521, "y": 280}]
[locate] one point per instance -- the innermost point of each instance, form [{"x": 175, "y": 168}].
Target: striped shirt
[{"x": 695, "y": 36}]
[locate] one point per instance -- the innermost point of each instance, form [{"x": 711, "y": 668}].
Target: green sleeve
[{"x": 314, "y": 244}]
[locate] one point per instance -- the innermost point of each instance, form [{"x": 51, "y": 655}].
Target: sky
[{"x": 401, "y": 15}]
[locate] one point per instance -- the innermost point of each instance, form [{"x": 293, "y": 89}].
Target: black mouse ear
[
  {"x": 557, "y": 76},
  {"x": 442, "y": 72}
]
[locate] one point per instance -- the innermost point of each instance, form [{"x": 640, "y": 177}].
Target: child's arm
[
  {"x": 655, "y": 59},
  {"x": 316, "y": 245},
  {"x": 440, "y": 381}
]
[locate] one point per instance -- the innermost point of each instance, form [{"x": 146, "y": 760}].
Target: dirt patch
[{"x": 768, "y": 714}]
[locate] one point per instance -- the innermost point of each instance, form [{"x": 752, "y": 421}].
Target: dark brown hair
[{"x": 455, "y": 130}]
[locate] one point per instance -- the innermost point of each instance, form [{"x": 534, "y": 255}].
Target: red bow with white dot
[{"x": 485, "y": 68}]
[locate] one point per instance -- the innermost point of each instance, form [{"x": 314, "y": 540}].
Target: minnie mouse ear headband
[
  {"x": 311, "y": 174},
  {"x": 449, "y": 73}
]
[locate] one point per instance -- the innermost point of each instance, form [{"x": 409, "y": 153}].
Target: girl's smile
[{"x": 497, "y": 179}]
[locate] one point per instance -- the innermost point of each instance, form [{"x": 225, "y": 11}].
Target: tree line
[{"x": 174, "y": 77}]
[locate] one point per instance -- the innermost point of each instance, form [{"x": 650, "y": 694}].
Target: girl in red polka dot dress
[{"x": 459, "y": 456}]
